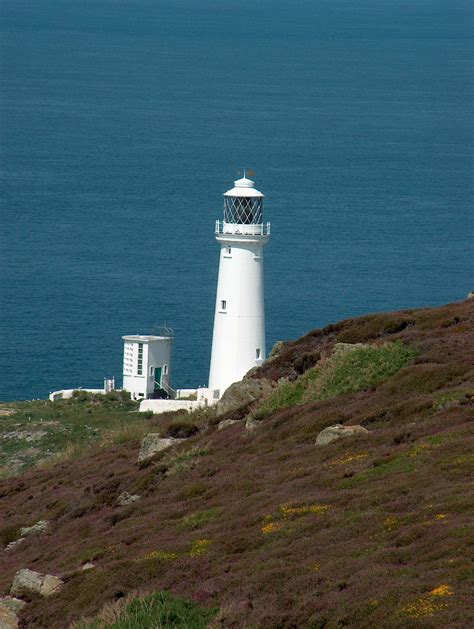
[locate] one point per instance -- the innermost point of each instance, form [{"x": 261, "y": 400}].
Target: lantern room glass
[{"x": 243, "y": 210}]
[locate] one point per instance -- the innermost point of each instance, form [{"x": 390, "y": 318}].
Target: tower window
[
  {"x": 258, "y": 353},
  {"x": 140, "y": 359},
  {"x": 152, "y": 370},
  {"x": 223, "y": 305},
  {"x": 229, "y": 249},
  {"x": 165, "y": 369}
]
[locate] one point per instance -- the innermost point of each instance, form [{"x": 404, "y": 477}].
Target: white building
[
  {"x": 147, "y": 365},
  {"x": 238, "y": 342}
]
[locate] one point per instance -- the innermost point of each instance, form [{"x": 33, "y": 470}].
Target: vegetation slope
[{"x": 261, "y": 527}]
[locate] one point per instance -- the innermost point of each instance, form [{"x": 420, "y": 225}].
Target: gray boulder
[
  {"x": 28, "y": 581},
  {"x": 242, "y": 393},
  {"x": 39, "y": 527},
  {"x": 153, "y": 443},
  {"x": 276, "y": 350},
  {"x": 15, "y": 543},
  {"x": 88, "y": 566},
  {"x": 338, "y": 431},
  {"x": 9, "y": 608},
  {"x": 226, "y": 423},
  {"x": 125, "y": 499},
  {"x": 251, "y": 424}
]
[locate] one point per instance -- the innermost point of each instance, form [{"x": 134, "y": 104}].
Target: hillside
[{"x": 258, "y": 525}]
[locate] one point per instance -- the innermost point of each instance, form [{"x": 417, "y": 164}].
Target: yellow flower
[
  {"x": 440, "y": 516},
  {"x": 423, "y": 607},
  {"x": 199, "y": 547},
  {"x": 442, "y": 590},
  {"x": 288, "y": 512},
  {"x": 160, "y": 555},
  {"x": 316, "y": 567},
  {"x": 349, "y": 458},
  {"x": 391, "y": 523},
  {"x": 429, "y": 605},
  {"x": 271, "y": 527}
]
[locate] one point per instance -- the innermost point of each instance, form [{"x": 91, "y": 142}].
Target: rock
[
  {"x": 125, "y": 499},
  {"x": 39, "y": 527},
  {"x": 10, "y": 602},
  {"x": 242, "y": 393},
  {"x": 28, "y": 581},
  {"x": 276, "y": 350},
  {"x": 153, "y": 443},
  {"x": 51, "y": 585},
  {"x": 15, "y": 543},
  {"x": 226, "y": 423},
  {"x": 9, "y": 608},
  {"x": 332, "y": 433},
  {"x": 88, "y": 566},
  {"x": 470, "y": 295},
  {"x": 251, "y": 424},
  {"x": 8, "y": 619}
]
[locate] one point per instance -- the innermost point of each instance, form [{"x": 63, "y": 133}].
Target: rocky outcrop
[
  {"x": 226, "y": 423},
  {"x": 9, "y": 608},
  {"x": 243, "y": 393},
  {"x": 31, "y": 582},
  {"x": 88, "y": 566},
  {"x": 39, "y": 527},
  {"x": 251, "y": 424},
  {"x": 126, "y": 499},
  {"x": 276, "y": 350},
  {"x": 154, "y": 443},
  {"x": 338, "y": 431}
]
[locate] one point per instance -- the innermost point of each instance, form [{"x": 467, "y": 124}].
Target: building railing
[
  {"x": 260, "y": 229},
  {"x": 169, "y": 390}
]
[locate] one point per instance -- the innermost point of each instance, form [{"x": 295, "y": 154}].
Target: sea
[{"x": 123, "y": 122}]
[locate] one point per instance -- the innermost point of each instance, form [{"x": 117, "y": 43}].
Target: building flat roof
[{"x": 144, "y": 338}]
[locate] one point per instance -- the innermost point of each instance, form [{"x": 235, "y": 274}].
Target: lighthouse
[{"x": 238, "y": 341}]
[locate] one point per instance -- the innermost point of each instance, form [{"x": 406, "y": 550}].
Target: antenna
[{"x": 246, "y": 172}]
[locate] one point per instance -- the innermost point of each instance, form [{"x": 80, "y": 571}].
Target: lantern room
[{"x": 243, "y": 204}]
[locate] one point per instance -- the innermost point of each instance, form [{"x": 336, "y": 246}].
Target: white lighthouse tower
[{"x": 238, "y": 341}]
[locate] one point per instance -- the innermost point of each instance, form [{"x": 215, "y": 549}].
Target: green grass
[
  {"x": 362, "y": 368},
  {"x": 39, "y": 430},
  {"x": 161, "y": 610},
  {"x": 198, "y": 519},
  {"x": 185, "y": 461}
]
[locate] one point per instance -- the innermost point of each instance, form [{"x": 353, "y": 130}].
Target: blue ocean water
[{"x": 123, "y": 122}]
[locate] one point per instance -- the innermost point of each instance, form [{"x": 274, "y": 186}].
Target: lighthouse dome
[{"x": 244, "y": 188}]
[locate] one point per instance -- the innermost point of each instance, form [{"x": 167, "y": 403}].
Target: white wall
[
  {"x": 167, "y": 406},
  {"x": 159, "y": 354},
  {"x": 239, "y": 330},
  {"x": 156, "y": 353},
  {"x": 65, "y": 394}
]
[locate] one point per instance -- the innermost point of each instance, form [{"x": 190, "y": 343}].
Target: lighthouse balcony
[{"x": 242, "y": 229}]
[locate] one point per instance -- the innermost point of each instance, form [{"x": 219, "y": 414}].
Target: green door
[{"x": 157, "y": 378}]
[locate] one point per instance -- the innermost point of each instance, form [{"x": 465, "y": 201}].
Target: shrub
[
  {"x": 159, "y": 611},
  {"x": 361, "y": 368},
  {"x": 193, "y": 491},
  {"x": 198, "y": 519},
  {"x": 8, "y": 534},
  {"x": 91, "y": 554}
]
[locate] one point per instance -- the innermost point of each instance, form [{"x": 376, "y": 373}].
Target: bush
[
  {"x": 8, "y": 534},
  {"x": 158, "y": 611},
  {"x": 348, "y": 372}
]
